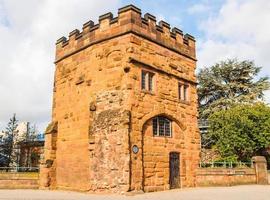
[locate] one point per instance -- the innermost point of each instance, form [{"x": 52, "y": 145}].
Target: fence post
[{"x": 260, "y": 167}]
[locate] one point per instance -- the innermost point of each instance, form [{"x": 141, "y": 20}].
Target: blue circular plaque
[{"x": 135, "y": 149}]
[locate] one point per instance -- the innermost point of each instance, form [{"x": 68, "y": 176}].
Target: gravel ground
[{"x": 250, "y": 192}]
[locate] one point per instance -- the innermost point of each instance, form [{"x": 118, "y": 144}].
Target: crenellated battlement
[{"x": 128, "y": 21}]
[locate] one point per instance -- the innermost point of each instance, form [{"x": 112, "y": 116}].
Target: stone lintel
[{"x": 135, "y": 60}]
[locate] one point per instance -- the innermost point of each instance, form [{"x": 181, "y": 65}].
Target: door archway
[{"x": 161, "y": 135}]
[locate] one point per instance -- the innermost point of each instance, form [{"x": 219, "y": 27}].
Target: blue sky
[
  {"x": 198, "y": 17},
  {"x": 28, "y": 30},
  {"x": 179, "y": 12}
]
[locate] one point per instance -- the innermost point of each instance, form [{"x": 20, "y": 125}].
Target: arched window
[{"x": 162, "y": 126}]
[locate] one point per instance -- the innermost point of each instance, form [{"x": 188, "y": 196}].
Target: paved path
[{"x": 250, "y": 192}]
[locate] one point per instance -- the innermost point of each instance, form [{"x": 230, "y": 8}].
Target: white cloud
[
  {"x": 267, "y": 96},
  {"x": 240, "y": 29},
  {"x": 198, "y": 8},
  {"x": 28, "y": 31}
]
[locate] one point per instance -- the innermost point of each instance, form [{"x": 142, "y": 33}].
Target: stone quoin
[{"x": 124, "y": 114}]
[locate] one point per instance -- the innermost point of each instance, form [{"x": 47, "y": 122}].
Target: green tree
[
  {"x": 8, "y": 141},
  {"x": 228, "y": 83},
  {"x": 241, "y": 132}
]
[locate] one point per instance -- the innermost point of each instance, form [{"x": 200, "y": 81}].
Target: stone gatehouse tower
[{"x": 124, "y": 107}]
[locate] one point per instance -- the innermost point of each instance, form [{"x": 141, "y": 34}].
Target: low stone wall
[
  {"x": 225, "y": 177},
  {"x": 19, "y": 180}
]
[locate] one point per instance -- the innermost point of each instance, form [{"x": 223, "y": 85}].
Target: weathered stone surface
[
  {"x": 102, "y": 111},
  {"x": 52, "y": 127},
  {"x": 260, "y": 166},
  {"x": 225, "y": 177}
]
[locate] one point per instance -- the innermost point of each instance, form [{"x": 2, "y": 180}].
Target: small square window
[
  {"x": 150, "y": 81},
  {"x": 183, "y": 90},
  {"x": 162, "y": 126},
  {"x": 143, "y": 82},
  {"x": 147, "y": 81},
  {"x": 180, "y": 86},
  {"x": 155, "y": 126}
]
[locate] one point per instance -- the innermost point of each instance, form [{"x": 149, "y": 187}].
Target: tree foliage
[
  {"x": 12, "y": 139},
  {"x": 229, "y": 83},
  {"x": 241, "y": 132},
  {"x": 7, "y": 146}
]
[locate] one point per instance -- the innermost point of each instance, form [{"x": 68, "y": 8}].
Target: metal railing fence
[
  {"x": 226, "y": 164},
  {"x": 18, "y": 169}
]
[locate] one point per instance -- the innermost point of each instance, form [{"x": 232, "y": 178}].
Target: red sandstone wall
[
  {"x": 98, "y": 75},
  {"x": 156, "y": 152},
  {"x": 19, "y": 180},
  {"x": 94, "y": 76},
  {"x": 169, "y": 68},
  {"x": 225, "y": 177},
  {"x": 112, "y": 66}
]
